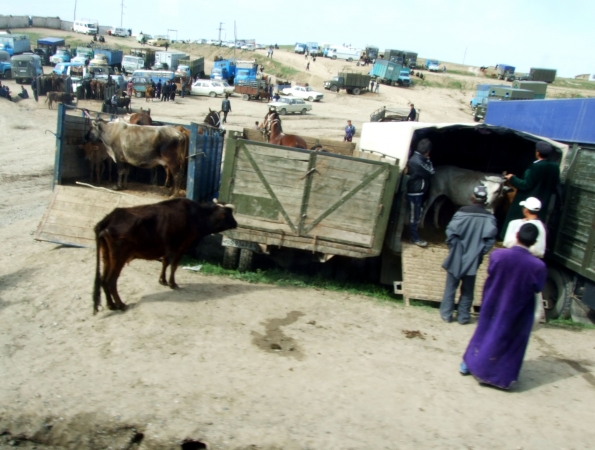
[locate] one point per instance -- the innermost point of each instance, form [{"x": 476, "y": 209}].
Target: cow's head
[
  {"x": 96, "y": 130},
  {"x": 494, "y": 185},
  {"x": 222, "y": 218}
]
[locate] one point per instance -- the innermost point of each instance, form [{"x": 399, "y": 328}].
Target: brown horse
[
  {"x": 149, "y": 93},
  {"x": 141, "y": 118},
  {"x": 274, "y": 133}
]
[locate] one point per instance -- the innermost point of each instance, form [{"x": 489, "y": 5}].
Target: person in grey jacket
[
  {"x": 225, "y": 107},
  {"x": 420, "y": 170},
  {"x": 470, "y": 235}
]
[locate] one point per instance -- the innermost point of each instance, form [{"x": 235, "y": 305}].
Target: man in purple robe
[{"x": 495, "y": 354}]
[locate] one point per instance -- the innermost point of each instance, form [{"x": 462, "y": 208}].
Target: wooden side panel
[
  {"x": 419, "y": 262},
  {"x": 74, "y": 165},
  {"x": 337, "y": 147},
  {"x": 74, "y": 211}
]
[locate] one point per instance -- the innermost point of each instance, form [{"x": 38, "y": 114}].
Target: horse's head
[{"x": 213, "y": 119}]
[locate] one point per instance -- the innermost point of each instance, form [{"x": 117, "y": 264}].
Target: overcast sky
[{"x": 522, "y": 33}]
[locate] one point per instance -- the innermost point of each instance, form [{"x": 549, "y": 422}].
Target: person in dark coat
[
  {"x": 495, "y": 353},
  {"x": 541, "y": 180},
  {"x": 470, "y": 235},
  {"x": 158, "y": 89},
  {"x": 420, "y": 170},
  {"x": 23, "y": 94},
  {"x": 225, "y": 107},
  {"x": 165, "y": 92},
  {"x": 34, "y": 88},
  {"x": 412, "y": 114},
  {"x": 172, "y": 90}
]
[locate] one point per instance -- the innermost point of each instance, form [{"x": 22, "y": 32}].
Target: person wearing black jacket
[{"x": 420, "y": 170}]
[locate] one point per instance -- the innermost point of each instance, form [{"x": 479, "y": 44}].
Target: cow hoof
[
  {"x": 111, "y": 307},
  {"x": 174, "y": 286},
  {"x": 124, "y": 307},
  {"x": 163, "y": 282}
]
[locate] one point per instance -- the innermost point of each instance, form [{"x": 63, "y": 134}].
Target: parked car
[
  {"x": 207, "y": 87},
  {"x": 291, "y": 105},
  {"x": 158, "y": 42},
  {"x": 250, "y": 47},
  {"x": 227, "y": 89},
  {"x": 304, "y": 92}
]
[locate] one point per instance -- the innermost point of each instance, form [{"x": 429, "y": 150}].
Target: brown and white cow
[
  {"x": 142, "y": 146},
  {"x": 97, "y": 155},
  {"x": 162, "y": 230},
  {"x": 59, "y": 97}
]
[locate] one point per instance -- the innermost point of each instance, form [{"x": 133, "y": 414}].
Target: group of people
[
  {"x": 165, "y": 91},
  {"x": 516, "y": 274},
  {"x": 375, "y": 82},
  {"x": 6, "y": 93}
]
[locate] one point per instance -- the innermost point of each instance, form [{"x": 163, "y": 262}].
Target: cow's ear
[{"x": 210, "y": 110}]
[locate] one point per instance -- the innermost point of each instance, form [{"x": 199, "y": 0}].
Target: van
[
  {"x": 143, "y": 78},
  {"x": 116, "y": 31},
  {"x": 132, "y": 63},
  {"x": 25, "y": 67},
  {"x": 85, "y": 27}
]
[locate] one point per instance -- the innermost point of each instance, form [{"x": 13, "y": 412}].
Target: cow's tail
[{"x": 97, "y": 285}]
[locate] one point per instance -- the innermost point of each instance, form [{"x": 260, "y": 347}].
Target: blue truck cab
[
  {"x": 224, "y": 69},
  {"x": 483, "y": 91},
  {"x": 433, "y": 65},
  {"x": 4, "y": 64}
]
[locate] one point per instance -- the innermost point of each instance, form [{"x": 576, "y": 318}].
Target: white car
[
  {"x": 291, "y": 105},
  {"x": 305, "y": 92},
  {"x": 227, "y": 89},
  {"x": 207, "y": 87},
  {"x": 250, "y": 47}
]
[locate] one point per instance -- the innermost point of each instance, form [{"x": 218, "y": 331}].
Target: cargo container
[
  {"x": 395, "y": 56},
  {"x": 15, "y": 44},
  {"x": 505, "y": 72},
  {"x": 114, "y": 57},
  {"x": 538, "y": 87},
  {"x": 546, "y": 75},
  {"x": 571, "y": 254},
  {"x": 388, "y": 72},
  {"x": 482, "y": 91},
  {"x": 168, "y": 60},
  {"x": 194, "y": 67}
]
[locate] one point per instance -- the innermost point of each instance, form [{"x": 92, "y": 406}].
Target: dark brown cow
[
  {"x": 97, "y": 155},
  {"x": 123, "y": 102},
  {"x": 163, "y": 230},
  {"x": 58, "y": 97}
]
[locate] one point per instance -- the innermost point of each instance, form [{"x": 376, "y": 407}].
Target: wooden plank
[
  {"x": 344, "y": 236},
  {"x": 337, "y": 147},
  {"x": 74, "y": 211}
]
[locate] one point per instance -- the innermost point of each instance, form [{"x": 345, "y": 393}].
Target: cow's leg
[
  {"x": 106, "y": 252},
  {"x": 172, "y": 268},
  {"x": 123, "y": 171},
  {"x": 437, "y": 207},
  {"x": 425, "y": 209},
  {"x": 164, "y": 264},
  {"x": 118, "y": 265}
]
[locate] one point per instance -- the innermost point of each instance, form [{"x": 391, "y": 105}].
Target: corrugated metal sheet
[{"x": 567, "y": 120}]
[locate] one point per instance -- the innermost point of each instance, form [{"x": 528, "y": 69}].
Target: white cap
[{"x": 532, "y": 204}]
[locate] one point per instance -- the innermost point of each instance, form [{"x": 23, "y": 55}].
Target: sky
[{"x": 522, "y": 33}]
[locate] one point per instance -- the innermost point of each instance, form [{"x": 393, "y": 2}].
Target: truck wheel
[
  {"x": 334, "y": 88},
  {"x": 334, "y": 57},
  {"x": 557, "y": 293},
  {"x": 476, "y": 118},
  {"x": 283, "y": 111},
  {"x": 349, "y": 59},
  {"x": 304, "y": 111},
  {"x": 212, "y": 94},
  {"x": 230, "y": 258},
  {"x": 246, "y": 259},
  {"x": 245, "y": 97},
  {"x": 357, "y": 91},
  {"x": 7, "y": 74}
]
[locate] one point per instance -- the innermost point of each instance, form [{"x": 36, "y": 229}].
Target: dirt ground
[{"x": 247, "y": 366}]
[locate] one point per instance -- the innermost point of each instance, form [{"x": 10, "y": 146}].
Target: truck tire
[
  {"x": 283, "y": 111},
  {"x": 334, "y": 57},
  {"x": 334, "y": 88},
  {"x": 357, "y": 91},
  {"x": 212, "y": 94},
  {"x": 349, "y": 59},
  {"x": 558, "y": 292},
  {"x": 476, "y": 118},
  {"x": 246, "y": 259},
  {"x": 7, "y": 74},
  {"x": 304, "y": 111},
  {"x": 245, "y": 97},
  {"x": 230, "y": 258}
]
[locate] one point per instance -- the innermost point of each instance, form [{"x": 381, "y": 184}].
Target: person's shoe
[
  {"x": 463, "y": 369},
  {"x": 420, "y": 243},
  {"x": 463, "y": 322},
  {"x": 447, "y": 319}
]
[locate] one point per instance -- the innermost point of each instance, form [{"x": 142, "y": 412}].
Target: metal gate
[{"x": 204, "y": 162}]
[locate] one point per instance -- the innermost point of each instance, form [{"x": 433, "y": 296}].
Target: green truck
[
  {"x": 538, "y": 74},
  {"x": 538, "y": 87},
  {"x": 353, "y": 83},
  {"x": 501, "y": 94}
]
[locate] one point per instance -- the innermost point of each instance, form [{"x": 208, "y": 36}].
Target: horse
[{"x": 273, "y": 132}]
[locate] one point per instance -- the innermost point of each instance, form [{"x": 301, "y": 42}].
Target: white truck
[
  {"x": 348, "y": 54},
  {"x": 168, "y": 60}
]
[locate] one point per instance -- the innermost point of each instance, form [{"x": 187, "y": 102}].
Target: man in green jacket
[{"x": 540, "y": 180}]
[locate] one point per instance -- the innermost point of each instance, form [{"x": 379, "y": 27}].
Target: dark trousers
[
  {"x": 465, "y": 301},
  {"x": 225, "y": 116},
  {"x": 35, "y": 95},
  {"x": 415, "y": 209}
]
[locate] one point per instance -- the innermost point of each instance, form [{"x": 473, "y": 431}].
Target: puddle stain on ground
[{"x": 275, "y": 340}]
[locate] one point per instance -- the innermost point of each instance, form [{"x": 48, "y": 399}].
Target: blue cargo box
[{"x": 566, "y": 120}]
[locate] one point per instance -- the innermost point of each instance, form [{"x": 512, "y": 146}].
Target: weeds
[
  {"x": 572, "y": 83},
  {"x": 568, "y": 324}
]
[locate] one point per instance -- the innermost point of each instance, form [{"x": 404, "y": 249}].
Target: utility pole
[
  {"x": 172, "y": 30},
  {"x": 464, "y": 55},
  {"x": 74, "y": 20},
  {"x": 122, "y": 13},
  {"x": 220, "y": 29}
]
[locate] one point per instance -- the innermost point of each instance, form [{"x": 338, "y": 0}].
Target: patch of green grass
[
  {"x": 569, "y": 325},
  {"x": 461, "y": 72},
  {"x": 572, "y": 83},
  {"x": 280, "y": 277},
  {"x": 275, "y": 68},
  {"x": 567, "y": 95}
]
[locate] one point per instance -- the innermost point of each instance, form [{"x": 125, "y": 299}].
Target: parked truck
[
  {"x": 505, "y": 72},
  {"x": 224, "y": 69},
  {"x": 538, "y": 87},
  {"x": 25, "y": 67},
  {"x": 372, "y": 52},
  {"x": 139, "y": 58},
  {"x": 246, "y": 71},
  {"x": 47, "y": 47},
  {"x": 433, "y": 65},
  {"x": 15, "y": 44},
  {"x": 546, "y": 75},
  {"x": 388, "y": 72},
  {"x": 352, "y": 202},
  {"x": 113, "y": 57},
  {"x": 395, "y": 56},
  {"x": 84, "y": 52},
  {"x": 482, "y": 91},
  {"x": 5, "y": 66},
  {"x": 168, "y": 60},
  {"x": 410, "y": 59},
  {"x": 571, "y": 256},
  {"x": 498, "y": 94},
  {"x": 62, "y": 55},
  {"x": 194, "y": 67},
  {"x": 353, "y": 83}
]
